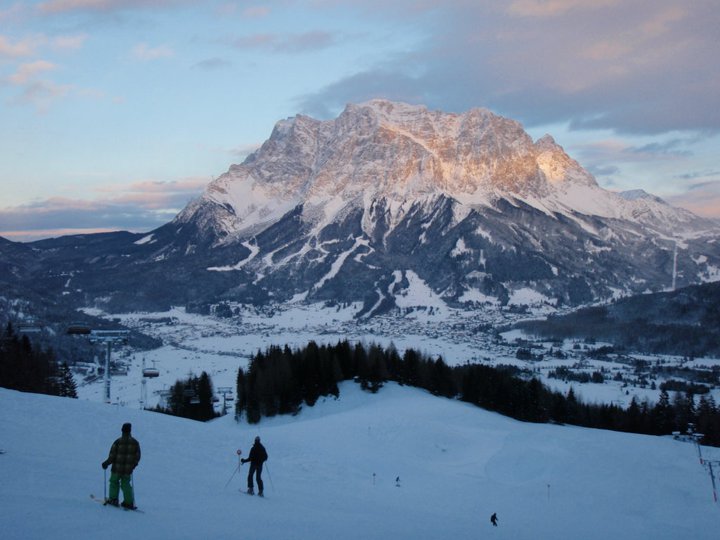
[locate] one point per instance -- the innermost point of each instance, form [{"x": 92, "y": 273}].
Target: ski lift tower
[{"x": 108, "y": 338}]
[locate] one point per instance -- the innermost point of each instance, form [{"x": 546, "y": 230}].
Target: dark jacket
[
  {"x": 258, "y": 455},
  {"x": 124, "y": 455}
]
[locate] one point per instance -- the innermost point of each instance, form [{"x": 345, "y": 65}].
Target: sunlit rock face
[{"x": 386, "y": 195}]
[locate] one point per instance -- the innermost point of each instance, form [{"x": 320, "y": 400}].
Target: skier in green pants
[{"x": 124, "y": 457}]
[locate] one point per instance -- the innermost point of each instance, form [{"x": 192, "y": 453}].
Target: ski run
[{"x": 335, "y": 472}]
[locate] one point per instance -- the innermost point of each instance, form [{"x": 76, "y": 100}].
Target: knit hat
[{"x": 126, "y": 427}]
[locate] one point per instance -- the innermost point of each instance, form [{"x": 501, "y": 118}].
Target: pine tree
[
  {"x": 68, "y": 388},
  {"x": 206, "y": 411},
  {"x": 663, "y": 415}
]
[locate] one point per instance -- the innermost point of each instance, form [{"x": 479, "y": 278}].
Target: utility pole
[{"x": 674, "y": 274}]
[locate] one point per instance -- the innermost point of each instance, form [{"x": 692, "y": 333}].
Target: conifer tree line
[
  {"x": 191, "y": 398},
  {"x": 280, "y": 380},
  {"x": 27, "y": 368}
]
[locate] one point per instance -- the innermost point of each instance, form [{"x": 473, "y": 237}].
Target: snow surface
[{"x": 332, "y": 475}]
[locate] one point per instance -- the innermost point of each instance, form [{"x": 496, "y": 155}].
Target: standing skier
[
  {"x": 257, "y": 457},
  {"x": 494, "y": 519},
  {"x": 124, "y": 457}
]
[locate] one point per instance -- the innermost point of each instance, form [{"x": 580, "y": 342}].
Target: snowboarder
[
  {"x": 258, "y": 456},
  {"x": 124, "y": 456},
  {"x": 493, "y": 519}
]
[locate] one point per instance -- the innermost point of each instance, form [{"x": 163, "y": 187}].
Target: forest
[
  {"x": 29, "y": 368},
  {"x": 191, "y": 398},
  {"x": 281, "y": 380},
  {"x": 685, "y": 322}
]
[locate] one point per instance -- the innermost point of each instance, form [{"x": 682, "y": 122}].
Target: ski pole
[
  {"x": 270, "y": 477},
  {"x": 104, "y": 484},
  {"x": 237, "y": 467},
  {"x": 132, "y": 486}
]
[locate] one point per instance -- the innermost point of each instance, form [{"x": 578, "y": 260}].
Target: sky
[{"x": 114, "y": 114}]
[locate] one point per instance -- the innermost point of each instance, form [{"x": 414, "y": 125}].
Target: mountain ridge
[{"x": 344, "y": 210}]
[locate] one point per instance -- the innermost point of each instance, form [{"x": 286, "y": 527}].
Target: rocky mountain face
[{"x": 383, "y": 201}]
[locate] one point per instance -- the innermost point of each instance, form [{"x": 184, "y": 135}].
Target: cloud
[
  {"x": 702, "y": 198},
  {"x": 143, "y": 51},
  {"x": 618, "y": 151},
  {"x": 51, "y": 7},
  {"x": 255, "y": 12},
  {"x": 210, "y": 64},
  {"x": 287, "y": 43},
  {"x": 34, "y": 90},
  {"x": 642, "y": 67},
  {"x": 18, "y": 49},
  {"x": 69, "y": 42},
  {"x": 12, "y": 12},
  {"x": 246, "y": 12},
  {"x": 666, "y": 148},
  {"x": 603, "y": 170},
  {"x": 552, "y": 8},
  {"x": 29, "y": 46},
  {"x": 26, "y": 73},
  {"x": 141, "y": 206}
]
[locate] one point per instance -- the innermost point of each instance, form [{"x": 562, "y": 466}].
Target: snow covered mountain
[
  {"x": 389, "y": 197},
  {"x": 405, "y": 155},
  {"x": 359, "y": 206}
]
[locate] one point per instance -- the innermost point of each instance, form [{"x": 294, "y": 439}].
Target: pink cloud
[
  {"x": 143, "y": 51},
  {"x": 18, "y": 49},
  {"x": 25, "y": 73},
  {"x": 140, "y": 206},
  {"x": 59, "y": 6},
  {"x": 146, "y": 187},
  {"x": 64, "y": 6},
  {"x": 40, "y": 234},
  {"x": 35, "y": 90},
  {"x": 702, "y": 199},
  {"x": 551, "y": 8},
  {"x": 69, "y": 42},
  {"x": 256, "y": 12}
]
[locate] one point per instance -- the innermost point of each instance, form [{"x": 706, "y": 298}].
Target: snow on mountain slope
[
  {"x": 332, "y": 474},
  {"x": 382, "y": 149},
  {"x": 329, "y": 211}
]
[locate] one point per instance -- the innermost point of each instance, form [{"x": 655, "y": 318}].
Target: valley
[{"x": 194, "y": 343}]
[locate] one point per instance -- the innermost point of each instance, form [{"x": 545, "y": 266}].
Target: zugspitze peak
[
  {"x": 397, "y": 152},
  {"x": 386, "y": 200}
]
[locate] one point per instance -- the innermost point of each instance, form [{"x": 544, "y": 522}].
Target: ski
[
  {"x": 105, "y": 503},
  {"x": 251, "y": 494}
]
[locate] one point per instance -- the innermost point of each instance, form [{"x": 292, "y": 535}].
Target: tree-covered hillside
[{"x": 683, "y": 322}]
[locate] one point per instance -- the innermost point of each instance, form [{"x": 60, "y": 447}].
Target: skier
[
  {"x": 257, "y": 457},
  {"x": 493, "y": 519},
  {"x": 124, "y": 456}
]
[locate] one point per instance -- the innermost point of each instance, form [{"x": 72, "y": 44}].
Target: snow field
[{"x": 332, "y": 470}]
